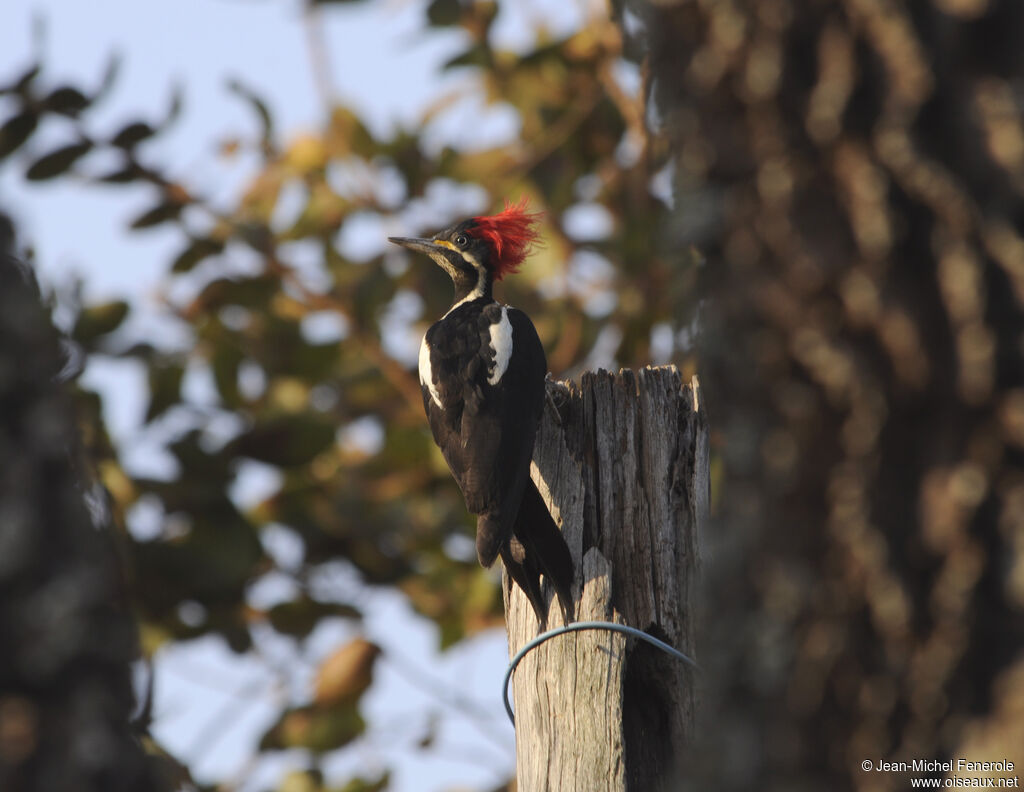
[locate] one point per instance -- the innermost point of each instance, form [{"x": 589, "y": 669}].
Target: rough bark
[
  {"x": 623, "y": 468},
  {"x": 853, "y": 172},
  {"x": 66, "y": 639}
]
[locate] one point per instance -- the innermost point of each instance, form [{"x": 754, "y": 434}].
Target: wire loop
[{"x": 585, "y": 625}]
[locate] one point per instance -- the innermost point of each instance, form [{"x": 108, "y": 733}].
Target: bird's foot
[{"x": 549, "y": 381}]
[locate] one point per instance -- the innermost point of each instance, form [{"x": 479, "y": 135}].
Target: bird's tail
[
  {"x": 543, "y": 551},
  {"x": 491, "y": 540},
  {"x": 523, "y": 570}
]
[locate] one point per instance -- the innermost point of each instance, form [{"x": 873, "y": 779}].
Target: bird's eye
[{"x": 461, "y": 240}]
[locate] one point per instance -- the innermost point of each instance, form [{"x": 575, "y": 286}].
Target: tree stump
[{"x": 623, "y": 467}]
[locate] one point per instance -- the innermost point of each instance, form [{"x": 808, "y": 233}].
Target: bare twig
[
  {"x": 320, "y": 61},
  {"x": 449, "y": 697}
]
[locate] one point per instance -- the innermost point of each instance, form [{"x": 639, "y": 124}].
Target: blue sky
[
  {"x": 211, "y": 705},
  {"x": 386, "y": 68}
]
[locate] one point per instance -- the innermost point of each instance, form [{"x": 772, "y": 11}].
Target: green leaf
[
  {"x": 16, "y": 130},
  {"x": 66, "y": 101},
  {"x": 161, "y": 213},
  {"x": 128, "y": 173},
  {"x": 257, "y": 104},
  {"x": 98, "y": 320},
  {"x": 477, "y": 55},
  {"x": 226, "y": 360},
  {"x": 443, "y": 13},
  {"x": 164, "y": 388},
  {"x": 132, "y": 134},
  {"x": 298, "y": 618},
  {"x": 197, "y": 250},
  {"x": 362, "y": 785},
  {"x": 238, "y": 638},
  {"x": 349, "y": 127},
  {"x": 318, "y": 730},
  {"x": 302, "y": 781},
  {"x": 22, "y": 84},
  {"x": 255, "y": 293},
  {"x": 57, "y": 162},
  {"x": 287, "y": 440}
]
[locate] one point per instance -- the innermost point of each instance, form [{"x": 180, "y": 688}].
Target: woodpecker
[{"x": 482, "y": 370}]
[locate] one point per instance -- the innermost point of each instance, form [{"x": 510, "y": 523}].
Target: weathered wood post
[{"x": 623, "y": 467}]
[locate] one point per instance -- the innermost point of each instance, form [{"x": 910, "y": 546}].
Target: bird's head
[{"x": 478, "y": 251}]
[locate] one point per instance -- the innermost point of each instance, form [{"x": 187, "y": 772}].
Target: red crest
[{"x": 510, "y": 233}]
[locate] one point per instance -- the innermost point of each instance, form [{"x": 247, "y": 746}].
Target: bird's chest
[{"x": 465, "y": 355}]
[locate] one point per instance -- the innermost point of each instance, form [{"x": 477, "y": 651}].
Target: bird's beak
[{"x": 428, "y": 246}]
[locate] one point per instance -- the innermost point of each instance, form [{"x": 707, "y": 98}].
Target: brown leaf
[{"x": 347, "y": 673}]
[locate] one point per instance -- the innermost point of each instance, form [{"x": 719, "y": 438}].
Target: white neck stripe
[{"x": 478, "y": 290}]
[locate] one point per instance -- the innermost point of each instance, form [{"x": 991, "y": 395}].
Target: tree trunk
[
  {"x": 853, "y": 173},
  {"x": 624, "y": 470},
  {"x": 67, "y": 639}
]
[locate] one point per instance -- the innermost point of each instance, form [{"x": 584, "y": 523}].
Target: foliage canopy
[{"x": 298, "y": 353}]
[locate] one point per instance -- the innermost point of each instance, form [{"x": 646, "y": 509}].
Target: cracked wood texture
[{"x": 623, "y": 467}]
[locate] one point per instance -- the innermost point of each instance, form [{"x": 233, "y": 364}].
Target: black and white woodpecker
[{"x": 482, "y": 371}]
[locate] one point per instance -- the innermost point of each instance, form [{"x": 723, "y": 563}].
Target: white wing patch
[
  {"x": 501, "y": 343},
  {"x": 426, "y": 374}
]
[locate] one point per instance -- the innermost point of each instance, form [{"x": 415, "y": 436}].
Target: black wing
[{"x": 486, "y": 431}]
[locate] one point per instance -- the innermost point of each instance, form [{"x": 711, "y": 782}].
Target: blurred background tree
[
  {"x": 69, "y": 638},
  {"x": 299, "y": 355},
  {"x": 861, "y": 169}
]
